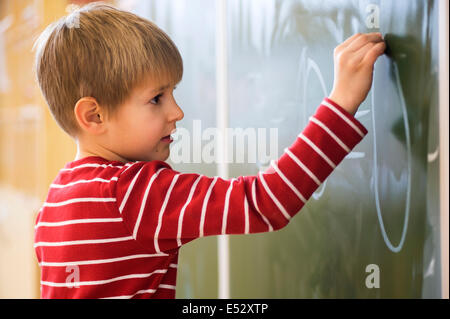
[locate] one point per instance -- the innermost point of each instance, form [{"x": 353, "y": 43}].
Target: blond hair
[{"x": 102, "y": 52}]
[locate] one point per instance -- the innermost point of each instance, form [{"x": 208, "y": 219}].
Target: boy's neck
[{"x": 83, "y": 151}]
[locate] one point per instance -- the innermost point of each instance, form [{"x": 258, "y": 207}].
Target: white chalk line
[{"x": 386, "y": 239}]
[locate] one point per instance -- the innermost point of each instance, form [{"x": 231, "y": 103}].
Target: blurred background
[{"x": 280, "y": 66}]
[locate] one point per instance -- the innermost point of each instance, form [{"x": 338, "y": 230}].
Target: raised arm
[{"x": 163, "y": 208}]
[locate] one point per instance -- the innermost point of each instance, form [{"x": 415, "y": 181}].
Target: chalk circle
[{"x": 386, "y": 239}]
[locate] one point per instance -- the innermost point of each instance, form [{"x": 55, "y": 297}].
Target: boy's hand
[{"x": 353, "y": 69}]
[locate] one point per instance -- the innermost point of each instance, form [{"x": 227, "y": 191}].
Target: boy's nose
[
  {"x": 181, "y": 114},
  {"x": 177, "y": 114}
]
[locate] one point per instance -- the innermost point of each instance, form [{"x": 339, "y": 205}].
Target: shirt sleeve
[{"x": 164, "y": 209}]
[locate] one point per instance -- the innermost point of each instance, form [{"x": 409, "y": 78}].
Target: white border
[
  {"x": 222, "y": 124},
  {"x": 443, "y": 141}
]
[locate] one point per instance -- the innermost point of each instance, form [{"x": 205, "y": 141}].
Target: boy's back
[{"x": 83, "y": 245}]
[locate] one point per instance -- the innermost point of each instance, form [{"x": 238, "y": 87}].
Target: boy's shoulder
[
  {"x": 92, "y": 161},
  {"x": 100, "y": 169},
  {"x": 94, "y": 178},
  {"x": 87, "y": 168}
]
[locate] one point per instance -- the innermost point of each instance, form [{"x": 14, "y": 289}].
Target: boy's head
[{"x": 99, "y": 69}]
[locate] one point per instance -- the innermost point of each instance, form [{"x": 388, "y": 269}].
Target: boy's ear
[{"x": 89, "y": 116}]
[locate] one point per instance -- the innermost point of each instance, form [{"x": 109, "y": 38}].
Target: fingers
[
  {"x": 361, "y": 53},
  {"x": 363, "y": 39},
  {"x": 349, "y": 40},
  {"x": 373, "y": 53}
]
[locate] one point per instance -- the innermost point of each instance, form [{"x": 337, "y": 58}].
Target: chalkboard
[{"x": 371, "y": 230}]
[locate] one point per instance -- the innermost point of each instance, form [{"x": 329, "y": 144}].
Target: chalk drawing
[
  {"x": 306, "y": 65},
  {"x": 431, "y": 157},
  {"x": 386, "y": 239}
]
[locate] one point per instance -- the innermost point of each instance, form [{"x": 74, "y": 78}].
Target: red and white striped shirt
[{"x": 113, "y": 230}]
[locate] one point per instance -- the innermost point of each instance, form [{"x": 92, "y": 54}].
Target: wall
[{"x": 32, "y": 147}]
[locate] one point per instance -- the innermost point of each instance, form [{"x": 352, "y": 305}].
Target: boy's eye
[{"x": 155, "y": 100}]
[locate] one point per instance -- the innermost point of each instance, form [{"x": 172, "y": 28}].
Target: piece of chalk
[{"x": 387, "y": 51}]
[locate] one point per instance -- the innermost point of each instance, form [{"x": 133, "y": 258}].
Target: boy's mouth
[{"x": 169, "y": 137}]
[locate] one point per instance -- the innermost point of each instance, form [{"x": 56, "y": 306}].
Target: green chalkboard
[{"x": 377, "y": 214}]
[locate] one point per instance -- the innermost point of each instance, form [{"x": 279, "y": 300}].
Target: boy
[{"x": 115, "y": 217}]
